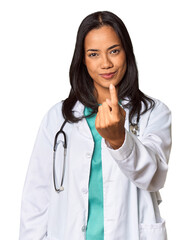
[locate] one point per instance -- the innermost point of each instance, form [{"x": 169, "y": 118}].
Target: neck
[
  {"x": 102, "y": 98},
  {"x": 101, "y": 95}
]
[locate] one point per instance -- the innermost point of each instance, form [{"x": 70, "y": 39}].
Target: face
[{"x": 105, "y": 59}]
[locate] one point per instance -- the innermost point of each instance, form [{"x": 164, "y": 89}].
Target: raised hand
[{"x": 110, "y": 120}]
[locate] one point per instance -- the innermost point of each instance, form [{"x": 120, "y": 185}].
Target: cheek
[
  {"x": 123, "y": 68},
  {"x": 90, "y": 66},
  {"x": 123, "y": 64},
  {"x": 120, "y": 61}
]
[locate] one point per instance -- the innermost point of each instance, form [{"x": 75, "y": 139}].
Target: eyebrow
[{"x": 96, "y": 50}]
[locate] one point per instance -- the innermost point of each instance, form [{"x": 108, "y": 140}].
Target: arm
[
  {"x": 36, "y": 192},
  {"x": 144, "y": 160}
]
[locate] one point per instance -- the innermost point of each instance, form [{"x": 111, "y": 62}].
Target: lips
[{"x": 108, "y": 75}]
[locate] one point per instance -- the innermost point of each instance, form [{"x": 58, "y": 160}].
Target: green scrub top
[{"x": 95, "y": 224}]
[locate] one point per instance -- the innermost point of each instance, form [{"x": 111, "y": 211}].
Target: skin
[{"x": 104, "y": 54}]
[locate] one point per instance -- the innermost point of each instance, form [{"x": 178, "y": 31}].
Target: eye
[
  {"x": 115, "y": 51},
  {"x": 93, "y": 55}
]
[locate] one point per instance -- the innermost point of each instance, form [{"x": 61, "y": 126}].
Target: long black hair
[{"x": 82, "y": 87}]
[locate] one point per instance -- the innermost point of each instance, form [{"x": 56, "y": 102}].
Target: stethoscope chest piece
[{"x": 134, "y": 128}]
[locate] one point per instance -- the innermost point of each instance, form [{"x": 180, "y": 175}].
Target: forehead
[{"x": 102, "y": 37}]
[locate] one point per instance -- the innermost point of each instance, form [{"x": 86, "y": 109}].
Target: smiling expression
[{"x": 105, "y": 60}]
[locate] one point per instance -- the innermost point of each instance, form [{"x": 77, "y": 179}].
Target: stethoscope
[
  {"x": 134, "y": 128},
  {"x": 64, "y": 144}
]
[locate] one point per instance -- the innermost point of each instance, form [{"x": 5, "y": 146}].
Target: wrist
[{"x": 117, "y": 143}]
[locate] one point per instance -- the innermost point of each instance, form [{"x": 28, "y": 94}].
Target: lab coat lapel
[{"x": 82, "y": 125}]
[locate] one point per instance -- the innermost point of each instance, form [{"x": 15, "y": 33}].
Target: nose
[{"x": 106, "y": 62}]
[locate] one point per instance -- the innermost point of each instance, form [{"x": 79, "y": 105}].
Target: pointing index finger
[{"x": 114, "y": 99}]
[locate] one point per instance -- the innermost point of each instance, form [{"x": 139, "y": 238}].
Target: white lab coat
[{"x": 132, "y": 176}]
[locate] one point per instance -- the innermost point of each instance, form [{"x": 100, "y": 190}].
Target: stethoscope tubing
[
  {"x": 134, "y": 128},
  {"x": 56, "y": 143}
]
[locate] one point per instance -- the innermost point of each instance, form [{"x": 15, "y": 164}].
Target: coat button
[
  {"x": 84, "y": 190},
  {"x": 84, "y": 228}
]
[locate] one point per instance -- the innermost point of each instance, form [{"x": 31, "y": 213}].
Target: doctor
[{"x": 118, "y": 147}]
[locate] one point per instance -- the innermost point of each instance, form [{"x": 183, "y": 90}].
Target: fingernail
[{"x": 111, "y": 86}]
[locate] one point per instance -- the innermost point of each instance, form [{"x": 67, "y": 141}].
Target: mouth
[{"x": 108, "y": 75}]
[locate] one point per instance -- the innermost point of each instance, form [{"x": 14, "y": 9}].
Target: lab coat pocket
[{"x": 155, "y": 231}]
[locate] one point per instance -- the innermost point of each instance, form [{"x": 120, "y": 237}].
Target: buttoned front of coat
[{"x": 132, "y": 178}]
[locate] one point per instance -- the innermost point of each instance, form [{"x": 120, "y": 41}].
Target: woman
[{"x": 118, "y": 146}]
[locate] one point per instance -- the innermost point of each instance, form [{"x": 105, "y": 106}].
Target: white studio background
[{"x": 36, "y": 46}]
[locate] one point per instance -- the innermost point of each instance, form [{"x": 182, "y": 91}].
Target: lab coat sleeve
[
  {"x": 36, "y": 192},
  {"x": 144, "y": 160}
]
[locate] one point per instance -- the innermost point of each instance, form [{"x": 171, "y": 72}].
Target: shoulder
[
  {"x": 54, "y": 112},
  {"x": 159, "y": 115},
  {"x": 53, "y": 118},
  {"x": 159, "y": 106},
  {"x": 55, "y": 109}
]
